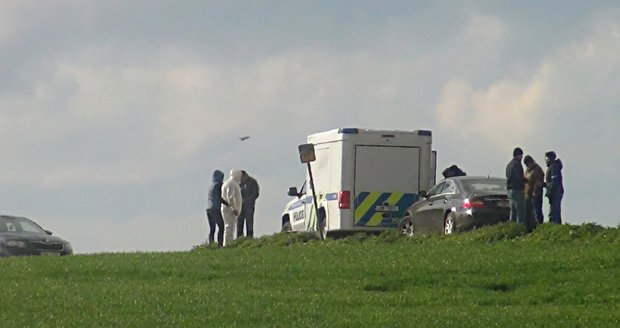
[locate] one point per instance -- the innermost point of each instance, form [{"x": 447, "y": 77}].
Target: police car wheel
[
  {"x": 286, "y": 227},
  {"x": 322, "y": 228},
  {"x": 406, "y": 226},
  {"x": 322, "y": 231},
  {"x": 322, "y": 223}
]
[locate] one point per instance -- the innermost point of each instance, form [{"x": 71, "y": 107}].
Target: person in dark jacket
[
  {"x": 249, "y": 193},
  {"x": 535, "y": 177},
  {"x": 214, "y": 214},
  {"x": 515, "y": 183},
  {"x": 555, "y": 187},
  {"x": 453, "y": 171}
]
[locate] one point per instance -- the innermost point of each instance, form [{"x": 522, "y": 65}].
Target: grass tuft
[{"x": 566, "y": 233}]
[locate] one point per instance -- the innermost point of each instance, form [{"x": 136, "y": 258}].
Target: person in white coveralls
[{"x": 231, "y": 193}]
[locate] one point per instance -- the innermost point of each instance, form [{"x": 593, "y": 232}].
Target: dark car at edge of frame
[
  {"x": 458, "y": 204},
  {"x": 22, "y": 236}
]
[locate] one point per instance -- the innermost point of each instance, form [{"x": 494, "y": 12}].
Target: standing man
[
  {"x": 214, "y": 213},
  {"x": 534, "y": 189},
  {"x": 555, "y": 187},
  {"x": 515, "y": 183},
  {"x": 231, "y": 194},
  {"x": 249, "y": 192}
]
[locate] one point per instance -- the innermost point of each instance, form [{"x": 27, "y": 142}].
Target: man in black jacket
[
  {"x": 249, "y": 193},
  {"x": 555, "y": 187},
  {"x": 515, "y": 183}
]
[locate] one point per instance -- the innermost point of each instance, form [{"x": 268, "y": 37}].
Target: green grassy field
[{"x": 557, "y": 276}]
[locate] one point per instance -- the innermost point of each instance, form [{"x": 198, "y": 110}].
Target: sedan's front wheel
[
  {"x": 448, "y": 224},
  {"x": 406, "y": 226}
]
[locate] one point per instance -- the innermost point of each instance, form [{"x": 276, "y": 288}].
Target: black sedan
[
  {"x": 21, "y": 236},
  {"x": 458, "y": 204}
]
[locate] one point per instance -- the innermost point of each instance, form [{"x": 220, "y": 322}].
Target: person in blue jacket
[
  {"x": 214, "y": 215},
  {"x": 555, "y": 187}
]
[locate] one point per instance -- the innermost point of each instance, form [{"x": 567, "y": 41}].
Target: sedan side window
[
  {"x": 450, "y": 188},
  {"x": 11, "y": 227},
  {"x": 446, "y": 187},
  {"x": 436, "y": 190}
]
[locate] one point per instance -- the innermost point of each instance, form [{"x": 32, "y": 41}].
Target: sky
[{"x": 114, "y": 114}]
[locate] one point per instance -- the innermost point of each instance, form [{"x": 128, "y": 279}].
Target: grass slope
[{"x": 557, "y": 276}]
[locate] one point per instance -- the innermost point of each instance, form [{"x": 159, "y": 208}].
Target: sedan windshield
[
  {"x": 15, "y": 224},
  {"x": 484, "y": 185}
]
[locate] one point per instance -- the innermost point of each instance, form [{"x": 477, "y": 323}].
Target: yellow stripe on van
[
  {"x": 376, "y": 218},
  {"x": 366, "y": 205}
]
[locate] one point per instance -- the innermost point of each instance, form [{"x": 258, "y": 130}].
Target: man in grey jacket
[{"x": 249, "y": 193}]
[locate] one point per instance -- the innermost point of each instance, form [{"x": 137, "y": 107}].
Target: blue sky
[{"x": 115, "y": 113}]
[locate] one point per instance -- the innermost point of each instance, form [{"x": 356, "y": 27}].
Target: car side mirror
[
  {"x": 292, "y": 191},
  {"x": 48, "y": 232},
  {"x": 422, "y": 194}
]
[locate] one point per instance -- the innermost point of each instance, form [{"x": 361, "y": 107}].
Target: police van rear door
[{"x": 386, "y": 184}]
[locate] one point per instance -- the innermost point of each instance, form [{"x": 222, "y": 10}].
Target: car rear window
[{"x": 484, "y": 185}]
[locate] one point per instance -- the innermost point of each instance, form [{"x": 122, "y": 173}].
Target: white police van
[{"x": 364, "y": 180}]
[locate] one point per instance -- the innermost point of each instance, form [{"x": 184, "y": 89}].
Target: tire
[
  {"x": 448, "y": 224},
  {"x": 322, "y": 223},
  {"x": 286, "y": 225},
  {"x": 406, "y": 226}
]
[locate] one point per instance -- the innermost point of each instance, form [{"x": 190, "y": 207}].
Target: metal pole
[{"x": 316, "y": 206}]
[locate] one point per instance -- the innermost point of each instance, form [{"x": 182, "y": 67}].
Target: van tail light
[
  {"x": 344, "y": 199},
  {"x": 472, "y": 203}
]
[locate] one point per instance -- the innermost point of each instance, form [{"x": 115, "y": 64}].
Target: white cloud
[
  {"x": 516, "y": 108},
  {"x": 169, "y": 111},
  {"x": 455, "y": 104},
  {"x": 587, "y": 72},
  {"x": 177, "y": 104},
  {"x": 504, "y": 112}
]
